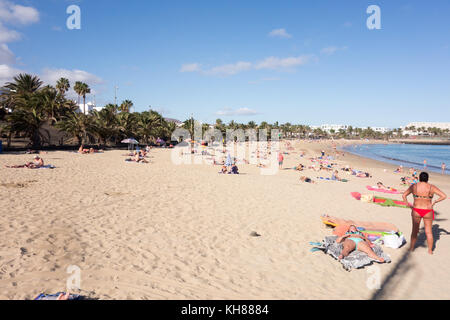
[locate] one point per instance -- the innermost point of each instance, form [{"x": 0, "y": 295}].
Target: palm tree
[
  {"x": 63, "y": 85},
  {"x": 126, "y": 106},
  {"x": 84, "y": 90},
  {"x": 104, "y": 124},
  {"x": 29, "y": 118},
  {"x": 50, "y": 101},
  {"x": 75, "y": 124},
  {"x": 77, "y": 89},
  {"x": 24, "y": 83}
]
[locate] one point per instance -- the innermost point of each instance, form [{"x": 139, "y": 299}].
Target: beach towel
[
  {"x": 55, "y": 296},
  {"x": 383, "y": 190},
  {"x": 46, "y": 167},
  {"x": 329, "y": 179},
  {"x": 354, "y": 260},
  {"x": 385, "y": 202}
]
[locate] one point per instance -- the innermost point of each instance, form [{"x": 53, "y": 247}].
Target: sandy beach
[{"x": 162, "y": 231}]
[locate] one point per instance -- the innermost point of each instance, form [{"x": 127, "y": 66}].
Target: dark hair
[{"x": 424, "y": 177}]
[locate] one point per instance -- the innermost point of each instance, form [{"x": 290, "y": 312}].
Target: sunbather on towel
[
  {"x": 137, "y": 158},
  {"x": 37, "y": 163},
  {"x": 306, "y": 179},
  {"x": 381, "y": 186},
  {"x": 355, "y": 240}
]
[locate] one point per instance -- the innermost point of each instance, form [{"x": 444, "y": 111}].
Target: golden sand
[{"x": 161, "y": 231}]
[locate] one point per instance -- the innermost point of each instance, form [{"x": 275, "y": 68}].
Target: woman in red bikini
[{"x": 423, "y": 208}]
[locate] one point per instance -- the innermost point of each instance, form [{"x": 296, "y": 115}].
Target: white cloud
[
  {"x": 275, "y": 63},
  {"x": 272, "y": 63},
  {"x": 6, "y": 56},
  {"x": 237, "y": 112},
  {"x": 190, "y": 67},
  {"x": 51, "y": 76},
  {"x": 7, "y": 73},
  {"x": 7, "y": 35},
  {"x": 230, "y": 69},
  {"x": 280, "y": 33},
  {"x": 17, "y": 14},
  {"x": 331, "y": 50}
]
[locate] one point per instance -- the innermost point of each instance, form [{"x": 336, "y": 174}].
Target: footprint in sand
[
  {"x": 115, "y": 194},
  {"x": 18, "y": 185}
]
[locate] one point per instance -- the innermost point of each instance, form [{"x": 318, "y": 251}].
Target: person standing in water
[
  {"x": 423, "y": 208},
  {"x": 425, "y": 164},
  {"x": 443, "y": 168}
]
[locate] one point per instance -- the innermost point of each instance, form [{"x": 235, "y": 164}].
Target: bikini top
[
  {"x": 429, "y": 197},
  {"x": 354, "y": 233}
]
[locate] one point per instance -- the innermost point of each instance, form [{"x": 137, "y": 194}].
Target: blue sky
[{"x": 309, "y": 62}]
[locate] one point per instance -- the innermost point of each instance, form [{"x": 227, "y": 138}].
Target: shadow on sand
[{"x": 404, "y": 265}]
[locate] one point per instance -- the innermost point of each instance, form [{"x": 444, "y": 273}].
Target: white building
[
  {"x": 418, "y": 125},
  {"x": 90, "y": 106},
  {"x": 335, "y": 127},
  {"x": 380, "y": 129}
]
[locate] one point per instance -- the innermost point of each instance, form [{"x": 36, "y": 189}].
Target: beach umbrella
[
  {"x": 228, "y": 163},
  {"x": 130, "y": 142}
]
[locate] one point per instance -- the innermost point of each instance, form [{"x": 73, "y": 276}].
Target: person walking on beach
[
  {"x": 280, "y": 159},
  {"x": 443, "y": 168},
  {"x": 423, "y": 208}
]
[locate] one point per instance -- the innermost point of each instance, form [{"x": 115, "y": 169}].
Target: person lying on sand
[
  {"x": 361, "y": 174},
  {"x": 306, "y": 179},
  {"x": 82, "y": 150},
  {"x": 300, "y": 167},
  {"x": 355, "y": 240},
  {"x": 260, "y": 165},
  {"x": 38, "y": 162},
  {"x": 137, "y": 158},
  {"x": 224, "y": 169},
  {"x": 381, "y": 186}
]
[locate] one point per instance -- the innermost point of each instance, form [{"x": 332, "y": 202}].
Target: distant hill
[{"x": 177, "y": 122}]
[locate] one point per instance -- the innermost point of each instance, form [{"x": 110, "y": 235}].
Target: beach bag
[
  {"x": 395, "y": 240},
  {"x": 367, "y": 198}
]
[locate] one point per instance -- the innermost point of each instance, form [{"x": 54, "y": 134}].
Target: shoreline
[{"x": 396, "y": 162}]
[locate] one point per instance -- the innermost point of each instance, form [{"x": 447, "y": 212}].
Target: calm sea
[{"x": 408, "y": 155}]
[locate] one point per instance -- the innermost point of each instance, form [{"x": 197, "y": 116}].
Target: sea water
[{"x": 408, "y": 155}]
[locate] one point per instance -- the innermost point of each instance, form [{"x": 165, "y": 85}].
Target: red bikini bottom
[{"x": 423, "y": 212}]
